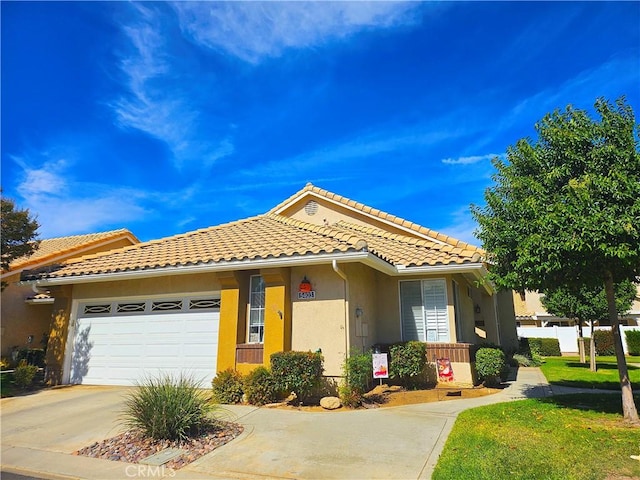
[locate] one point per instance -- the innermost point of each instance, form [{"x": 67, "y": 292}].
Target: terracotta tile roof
[
  {"x": 409, "y": 251},
  {"x": 263, "y": 237},
  {"x": 310, "y": 188},
  {"x": 51, "y": 249}
]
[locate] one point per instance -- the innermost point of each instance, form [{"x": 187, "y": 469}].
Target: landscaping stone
[{"x": 330, "y": 403}]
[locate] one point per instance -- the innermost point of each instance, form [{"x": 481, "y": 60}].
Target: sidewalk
[{"x": 386, "y": 443}]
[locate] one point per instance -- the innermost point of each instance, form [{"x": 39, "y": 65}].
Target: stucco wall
[
  {"x": 320, "y": 323},
  {"x": 330, "y": 213},
  {"x": 507, "y": 318},
  {"x": 166, "y": 286},
  {"x": 21, "y": 320}
]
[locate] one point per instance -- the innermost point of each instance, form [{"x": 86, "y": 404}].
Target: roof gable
[{"x": 331, "y": 208}]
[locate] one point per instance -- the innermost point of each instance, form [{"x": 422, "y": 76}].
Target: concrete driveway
[{"x": 40, "y": 432}]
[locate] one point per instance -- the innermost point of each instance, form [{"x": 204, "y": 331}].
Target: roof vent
[{"x": 311, "y": 208}]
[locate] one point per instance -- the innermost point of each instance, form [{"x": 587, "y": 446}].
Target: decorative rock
[
  {"x": 330, "y": 403},
  {"x": 293, "y": 398}
]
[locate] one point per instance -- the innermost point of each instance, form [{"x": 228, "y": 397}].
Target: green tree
[
  {"x": 18, "y": 234},
  {"x": 588, "y": 305},
  {"x": 565, "y": 211}
]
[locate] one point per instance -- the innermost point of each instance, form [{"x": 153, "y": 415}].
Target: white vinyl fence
[{"x": 568, "y": 336}]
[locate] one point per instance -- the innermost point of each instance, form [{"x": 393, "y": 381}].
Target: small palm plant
[{"x": 169, "y": 408}]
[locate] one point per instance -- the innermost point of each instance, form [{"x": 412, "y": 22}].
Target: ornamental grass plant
[{"x": 168, "y": 407}]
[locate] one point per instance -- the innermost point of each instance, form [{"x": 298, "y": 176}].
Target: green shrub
[
  {"x": 24, "y": 373},
  {"x": 408, "y": 361},
  {"x": 350, "y": 397},
  {"x": 633, "y": 341},
  {"x": 520, "y": 360},
  {"x": 546, "y": 347},
  {"x": 604, "y": 342},
  {"x": 168, "y": 407},
  {"x": 227, "y": 387},
  {"x": 298, "y": 372},
  {"x": 358, "y": 374},
  {"x": 358, "y": 370},
  {"x": 491, "y": 366},
  {"x": 33, "y": 356},
  {"x": 260, "y": 387}
]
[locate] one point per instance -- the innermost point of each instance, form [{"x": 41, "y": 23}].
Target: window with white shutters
[{"x": 423, "y": 305}]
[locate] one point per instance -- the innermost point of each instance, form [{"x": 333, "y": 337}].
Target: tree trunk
[
  {"x": 629, "y": 410},
  {"x": 580, "y": 342},
  {"x": 592, "y": 351}
]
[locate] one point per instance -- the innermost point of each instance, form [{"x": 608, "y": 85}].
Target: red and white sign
[{"x": 380, "y": 365}]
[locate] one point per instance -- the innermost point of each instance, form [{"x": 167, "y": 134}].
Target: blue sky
[{"x": 168, "y": 117}]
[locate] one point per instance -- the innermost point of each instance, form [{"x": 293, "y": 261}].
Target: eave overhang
[{"x": 475, "y": 271}]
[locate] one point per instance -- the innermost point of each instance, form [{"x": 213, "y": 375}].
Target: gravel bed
[{"x": 131, "y": 446}]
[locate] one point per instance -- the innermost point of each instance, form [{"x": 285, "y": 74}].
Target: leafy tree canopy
[
  {"x": 19, "y": 233},
  {"x": 565, "y": 209},
  {"x": 588, "y": 303}
]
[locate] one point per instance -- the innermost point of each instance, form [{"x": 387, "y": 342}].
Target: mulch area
[{"x": 131, "y": 447}]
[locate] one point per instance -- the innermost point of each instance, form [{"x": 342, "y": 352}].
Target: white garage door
[{"x": 124, "y": 342}]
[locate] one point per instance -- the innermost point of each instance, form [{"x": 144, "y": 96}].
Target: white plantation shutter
[
  {"x": 434, "y": 298},
  {"x": 411, "y": 308},
  {"x": 424, "y": 312}
]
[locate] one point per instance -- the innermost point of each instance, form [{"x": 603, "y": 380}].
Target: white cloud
[
  {"x": 462, "y": 226},
  {"x": 355, "y": 152},
  {"x": 157, "y": 105},
  {"x": 469, "y": 160},
  {"x": 65, "y": 207},
  {"x": 252, "y": 31}
]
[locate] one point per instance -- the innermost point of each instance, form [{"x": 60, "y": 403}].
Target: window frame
[{"x": 258, "y": 309}]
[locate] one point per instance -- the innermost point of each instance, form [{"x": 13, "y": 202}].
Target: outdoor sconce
[
  {"x": 359, "y": 312},
  {"x": 477, "y": 309}
]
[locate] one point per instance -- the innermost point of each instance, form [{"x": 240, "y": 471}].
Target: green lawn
[
  {"x": 568, "y": 437},
  {"x": 570, "y": 372}
]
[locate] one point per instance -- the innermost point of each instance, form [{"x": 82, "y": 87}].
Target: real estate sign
[{"x": 380, "y": 365}]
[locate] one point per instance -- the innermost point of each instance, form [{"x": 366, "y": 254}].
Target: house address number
[{"x": 307, "y": 295}]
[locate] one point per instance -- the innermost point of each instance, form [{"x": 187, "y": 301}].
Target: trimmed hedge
[
  {"x": 604, "y": 342},
  {"x": 227, "y": 387},
  {"x": 491, "y": 366},
  {"x": 547, "y": 347},
  {"x": 633, "y": 341},
  {"x": 298, "y": 372},
  {"x": 408, "y": 361},
  {"x": 260, "y": 387}
]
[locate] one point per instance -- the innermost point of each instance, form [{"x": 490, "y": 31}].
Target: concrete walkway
[{"x": 39, "y": 433}]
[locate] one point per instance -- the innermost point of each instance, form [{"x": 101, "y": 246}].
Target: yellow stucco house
[
  {"x": 316, "y": 272},
  {"x": 25, "y": 311}
]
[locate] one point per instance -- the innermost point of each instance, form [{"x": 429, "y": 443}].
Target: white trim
[
  {"x": 348, "y": 207},
  {"x": 40, "y": 301},
  {"x": 367, "y": 258},
  {"x": 192, "y": 269}
]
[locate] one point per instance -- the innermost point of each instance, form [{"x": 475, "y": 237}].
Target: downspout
[{"x": 347, "y": 339}]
